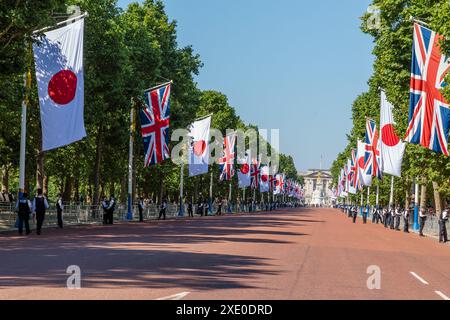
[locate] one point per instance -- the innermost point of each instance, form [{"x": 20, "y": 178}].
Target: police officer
[
  {"x": 190, "y": 209},
  {"x": 392, "y": 216},
  {"x": 141, "y": 209},
  {"x": 422, "y": 219},
  {"x": 219, "y": 204},
  {"x": 406, "y": 220},
  {"x": 105, "y": 206},
  {"x": 200, "y": 207},
  {"x": 398, "y": 215},
  {"x": 59, "y": 210},
  {"x": 355, "y": 213},
  {"x": 162, "y": 211},
  {"x": 443, "y": 218},
  {"x": 111, "y": 208},
  {"x": 23, "y": 208},
  {"x": 40, "y": 204}
]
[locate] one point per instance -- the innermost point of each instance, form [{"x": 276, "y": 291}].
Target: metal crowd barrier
[{"x": 82, "y": 214}]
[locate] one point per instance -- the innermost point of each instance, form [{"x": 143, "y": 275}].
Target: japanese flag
[
  {"x": 264, "y": 185},
  {"x": 391, "y": 148},
  {"x": 244, "y": 172},
  {"x": 199, "y": 149},
  {"x": 60, "y": 81}
]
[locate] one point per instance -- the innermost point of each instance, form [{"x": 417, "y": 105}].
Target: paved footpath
[{"x": 290, "y": 254}]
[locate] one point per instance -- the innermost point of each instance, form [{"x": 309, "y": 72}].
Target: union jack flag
[
  {"x": 429, "y": 113},
  {"x": 254, "y": 173},
  {"x": 372, "y": 158},
  {"x": 226, "y": 163},
  {"x": 155, "y": 120}
]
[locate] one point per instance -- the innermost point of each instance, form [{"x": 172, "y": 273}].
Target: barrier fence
[{"x": 80, "y": 214}]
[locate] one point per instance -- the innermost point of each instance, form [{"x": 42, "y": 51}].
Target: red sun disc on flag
[
  {"x": 264, "y": 178},
  {"x": 361, "y": 162},
  {"x": 199, "y": 147},
  {"x": 388, "y": 136},
  {"x": 245, "y": 168},
  {"x": 62, "y": 87}
]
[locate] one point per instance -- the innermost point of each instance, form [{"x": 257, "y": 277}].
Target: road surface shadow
[{"x": 146, "y": 255}]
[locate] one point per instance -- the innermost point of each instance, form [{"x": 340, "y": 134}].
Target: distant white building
[{"x": 318, "y": 187}]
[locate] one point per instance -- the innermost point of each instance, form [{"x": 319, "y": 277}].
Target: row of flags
[{"x": 429, "y": 119}]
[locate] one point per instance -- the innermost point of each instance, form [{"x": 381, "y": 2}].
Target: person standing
[
  {"x": 365, "y": 213},
  {"x": 162, "y": 211},
  {"x": 40, "y": 204},
  {"x": 59, "y": 210},
  {"x": 355, "y": 213},
  {"x": 406, "y": 220},
  {"x": 422, "y": 218},
  {"x": 443, "y": 218},
  {"x": 23, "y": 208},
  {"x": 398, "y": 215},
  {"x": 219, "y": 206},
  {"x": 200, "y": 207},
  {"x": 105, "y": 205},
  {"x": 206, "y": 208},
  {"x": 141, "y": 209},
  {"x": 190, "y": 209},
  {"x": 110, "y": 210}
]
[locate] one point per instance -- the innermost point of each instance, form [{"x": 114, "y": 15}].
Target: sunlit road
[{"x": 289, "y": 254}]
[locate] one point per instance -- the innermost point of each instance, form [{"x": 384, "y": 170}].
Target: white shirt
[{"x": 61, "y": 204}]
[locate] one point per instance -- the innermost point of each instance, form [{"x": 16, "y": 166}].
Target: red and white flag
[
  {"x": 59, "y": 74},
  {"x": 365, "y": 175},
  {"x": 391, "y": 148},
  {"x": 264, "y": 185},
  {"x": 199, "y": 148},
  {"x": 244, "y": 178}
]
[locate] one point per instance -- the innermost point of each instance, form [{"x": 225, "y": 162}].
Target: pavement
[{"x": 291, "y": 254}]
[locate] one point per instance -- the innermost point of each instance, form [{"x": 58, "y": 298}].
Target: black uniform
[
  {"x": 59, "y": 210},
  {"x": 219, "y": 207},
  {"x": 442, "y": 226},
  {"x": 398, "y": 214},
  {"x": 105, "y": 211},
  {"x": 24, "y": 211},
  {"x": 406, "y": 221},
  {"x": 141, "y": 210},
  {"x": 365, "y": 212},
  {"x": 190, "y": 210},
  {"x": 40, "y": 205},
  {"x": 162, "y": 211},
  {"x": 111, "y": 208},
  {"x": 355, "y": 213}
]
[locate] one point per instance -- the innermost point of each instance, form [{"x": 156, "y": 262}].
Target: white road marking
[
  {"x": 177, "y": 296},
  {"x": 443, "y": 296},
  {"x": 419, "y": 278}
]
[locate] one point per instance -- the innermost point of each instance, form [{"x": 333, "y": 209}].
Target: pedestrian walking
[
  {"x": 40, "y": 204},
  {"x": 141, "y": 209},
  {"x": 162, "y": 210},
  {"x": 23, "y": 209},
  {"x": 443, "y": 219},
  {"x": 59, "y": 210},
  {"x": 422, "y": 218}
]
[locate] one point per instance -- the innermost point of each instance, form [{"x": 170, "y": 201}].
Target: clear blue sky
[{"x": 295, "y": 65}]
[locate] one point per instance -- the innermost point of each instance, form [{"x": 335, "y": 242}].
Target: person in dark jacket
[
  {"x": 141, "y": 209},
  {"x": 190, "y": 209},
  {"x": 111, "y": 208},
  {"x": 40, "y": 204},
  {"x": 24, "y": 208},
  {"x": 162, "y": 211},
  {"x": 59, "y": 210},
  {"x": 443, "y": 219},
  {"x": 105, "y": 205}
]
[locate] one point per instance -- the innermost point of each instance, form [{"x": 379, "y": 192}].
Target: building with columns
[{"x": 318, "y": 187}]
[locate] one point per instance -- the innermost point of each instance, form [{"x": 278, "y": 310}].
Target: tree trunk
[
  {"x": 123, "y": 189},
  {"x": 111, "y": 188},
  {"x": 5, "y": 178},
  {"x": 98, "y": 158},
  {"x": 407, "y": 199},
  {"x": 423, "y": 196},
  {"x": 161, "y": 187},
  {"x": 437, "y": 199},
  {"x": 45, "y": 184},
  {"x": 68, "y": 189}
]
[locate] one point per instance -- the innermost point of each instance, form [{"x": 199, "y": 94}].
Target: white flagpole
[
  {"x": 391, "y": 197},
  {"x": 229, "y": 200},
  {"x": 416, "y": 206},
  {"x": 181, "y": 211},
  {"x": 130, "y": 163},
  {"x": 362, "y": 203},
  {"x": 378, "y": 196}
]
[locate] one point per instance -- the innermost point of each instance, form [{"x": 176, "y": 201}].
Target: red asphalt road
[{"x": 290, "y": 254}]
